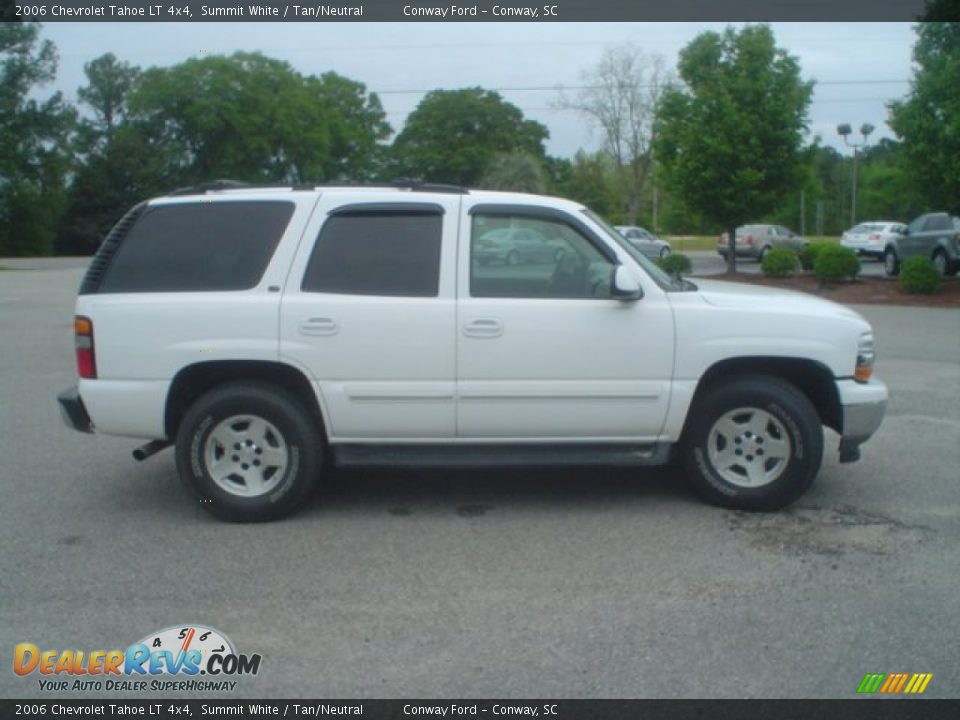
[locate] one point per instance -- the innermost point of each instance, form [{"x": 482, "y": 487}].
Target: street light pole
[{"x": 845, "y": 131}]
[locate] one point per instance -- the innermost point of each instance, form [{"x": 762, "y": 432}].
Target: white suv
[{"x": 264, "y": 330}]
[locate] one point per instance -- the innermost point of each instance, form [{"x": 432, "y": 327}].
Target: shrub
[
  {"x": 675, "y": 264},
  {"x": 808, "y": 254},
  {"x": 835, "y": 262},
  {"x": 779, "y": 262},
  {"x": 919, "y": 276}
]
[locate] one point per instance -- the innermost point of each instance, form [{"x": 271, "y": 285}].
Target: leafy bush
[
  {"x": 675, "y": 264},
  {"x": 779, "y": 262},
  {"x": 808, "y": 254},
  {"x": 919, "y": 276},
  {"x": 835, "y": 262}
]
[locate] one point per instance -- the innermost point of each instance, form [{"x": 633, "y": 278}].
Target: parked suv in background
[
  {"x": 934, "y": 235},
  {"x": 753, "y": 241},
  {"x": 872, "y": 238},
  {"x": 264, "y": 330}
]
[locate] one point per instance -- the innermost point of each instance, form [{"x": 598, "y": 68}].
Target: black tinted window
[
  {"x": 198, "y": 246},
  {"x": 938, "y": 222},
  {"x": 393, "y": 253}
]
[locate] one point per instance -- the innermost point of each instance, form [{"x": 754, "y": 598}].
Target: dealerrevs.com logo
[{"x": 178, "y": 658}]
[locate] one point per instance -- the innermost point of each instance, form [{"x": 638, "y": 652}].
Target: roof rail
[
  {"x": 400, "y": 184},
  {"x": 208, "y": 186}
]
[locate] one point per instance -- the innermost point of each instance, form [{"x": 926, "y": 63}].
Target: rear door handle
[
  {"x": 483, "y": 328},
  {"x": 319, "y": 326}
]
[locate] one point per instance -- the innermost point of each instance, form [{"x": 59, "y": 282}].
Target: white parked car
[
  {"x": 872, "y": 238},
  {"x": 645, "y": 241},
  {"x": 264, "y": 330}
]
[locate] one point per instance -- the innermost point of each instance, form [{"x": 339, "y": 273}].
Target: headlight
[{"x": 865, "y": 357}]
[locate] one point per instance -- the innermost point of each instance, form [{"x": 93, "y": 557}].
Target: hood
[{"x": 721, "y": 293}]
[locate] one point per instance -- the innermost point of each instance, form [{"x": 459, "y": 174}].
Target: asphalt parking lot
[{"x": 544, "y": 583}]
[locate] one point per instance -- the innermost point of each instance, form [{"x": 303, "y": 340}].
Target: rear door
[{"x": 369, "y": 314}]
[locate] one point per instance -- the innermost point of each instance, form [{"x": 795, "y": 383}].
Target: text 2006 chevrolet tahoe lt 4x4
[{"x": 261, "y": 330}]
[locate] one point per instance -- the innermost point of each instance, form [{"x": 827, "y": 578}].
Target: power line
[{"x": 561, "y": 87}]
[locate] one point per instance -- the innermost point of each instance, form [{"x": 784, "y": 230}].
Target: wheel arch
[
  {"x": 194, "y": 380},
  {"x": 810, "y": 377}
]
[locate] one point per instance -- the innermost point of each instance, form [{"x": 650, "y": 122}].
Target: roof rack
[{"x": 400, "y": 184}]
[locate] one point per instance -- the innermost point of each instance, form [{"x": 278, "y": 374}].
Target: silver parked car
[
  {"x": 934, "y": 235},
  {"x": 753, "y": 241},
  {"x": 645, "y": 241},
  {"x": 871, "y": 238},
  {"x": 516, "y": 245}
]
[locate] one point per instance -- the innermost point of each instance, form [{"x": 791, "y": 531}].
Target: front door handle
[
  {"x": 319, "y": 326},
  {"x": 483, "y": 328}
]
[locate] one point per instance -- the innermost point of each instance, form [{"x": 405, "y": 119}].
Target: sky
[{"x": 859, "y": 67}]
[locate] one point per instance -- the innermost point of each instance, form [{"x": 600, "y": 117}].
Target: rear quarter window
[{"x": 196, "y": 247}]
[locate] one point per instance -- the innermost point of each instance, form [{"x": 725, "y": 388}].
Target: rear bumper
[
  {"x": 73, "y": 412},
  {"x": 864, "y": 405}
]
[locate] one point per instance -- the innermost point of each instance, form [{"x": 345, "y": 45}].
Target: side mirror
[{"x": 624, "y": 285}]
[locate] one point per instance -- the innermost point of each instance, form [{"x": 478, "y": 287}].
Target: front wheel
[
  {"x": 664, "y": 252},
  {"x": 891, "y": 264},
  {"x": 753, "y": 444},
  {"x": 248, "y": 452},
  {"x": 941, "y": 263}
]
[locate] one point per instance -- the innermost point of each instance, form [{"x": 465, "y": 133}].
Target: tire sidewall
[
  {"x": 791, "y": 409},
  {"x": 290, "y": 420}
]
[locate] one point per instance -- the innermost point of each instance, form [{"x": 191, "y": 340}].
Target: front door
[{"x": 544, "y": 353}]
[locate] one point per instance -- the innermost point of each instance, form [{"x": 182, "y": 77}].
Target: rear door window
[
  {"x": 197, "y": 247},
  {"x": 389, "y": 252}
]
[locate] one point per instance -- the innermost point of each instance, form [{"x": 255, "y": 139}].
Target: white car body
[
  {"x": 455, "y": 369},
  {"x": 871, "y": 238}
]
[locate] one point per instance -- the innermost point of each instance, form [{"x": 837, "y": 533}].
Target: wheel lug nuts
[{"x": 258, "y": 451}]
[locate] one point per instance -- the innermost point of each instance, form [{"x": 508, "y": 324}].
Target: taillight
[
  {"x": 83, "y": 339},
  {"x": 875, "y": 236},
  {"x": 748, "y": 239}
]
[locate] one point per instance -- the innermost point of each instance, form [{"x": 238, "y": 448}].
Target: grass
[{"x": 688, "y": 243}]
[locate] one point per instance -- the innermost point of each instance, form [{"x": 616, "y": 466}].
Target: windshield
[{"x": 660, "y": 277}]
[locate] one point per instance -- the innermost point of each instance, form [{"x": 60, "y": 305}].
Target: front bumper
[
  {"x": 864, "y": 405},
  {"x": 73, "y": 412}
]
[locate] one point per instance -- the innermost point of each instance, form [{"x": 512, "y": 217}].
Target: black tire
[
  {"x": 290, "y": 427},
  {"x": 941, "y": 262},
  {"x": 664, "y": 251},
  {"x": 786, "y": 411},
  {"x": 891, "y": 263}
]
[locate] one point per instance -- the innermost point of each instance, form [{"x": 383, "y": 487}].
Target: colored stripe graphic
[
  {"x": 894, "y": 683},
  {"x": 871, "y": 682}
]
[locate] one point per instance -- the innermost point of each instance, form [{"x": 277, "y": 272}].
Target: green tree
[
  {"x": 592, "y": 180},
  {"x": 928, "y": 121},
  {"x": 245, "y": 117},
  {"x": 115, "y": 167},
  {"x": 33, "y": 143},
  {"x": 357, "y": 126},
  {"x": 730, "y": 139},
  {"x": 620, "y": 97},
  {"x": 516, "y": 172},
  {"x": 454, "y": 135}
]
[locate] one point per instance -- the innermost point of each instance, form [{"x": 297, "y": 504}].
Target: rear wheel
[
  {"x": 891, "y": 263},
  {"x": 248, "y": 451},
  {"x": 664, "y": 252},
  {"x": 753, "y": 444}
]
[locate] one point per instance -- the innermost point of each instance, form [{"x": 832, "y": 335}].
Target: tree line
[{"x": 719, "y": 142}]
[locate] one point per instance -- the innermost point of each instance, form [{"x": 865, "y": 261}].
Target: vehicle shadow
[{"x": 473, "y": 492}]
